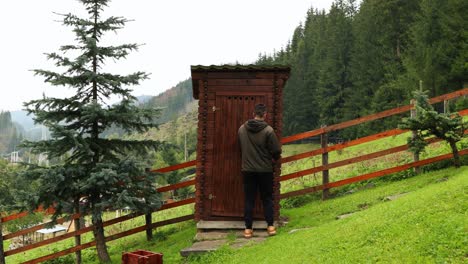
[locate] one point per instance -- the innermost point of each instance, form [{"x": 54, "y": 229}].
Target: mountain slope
[
  {"x": 175, "y": 101},
  {"x": 426, "y": 225}
]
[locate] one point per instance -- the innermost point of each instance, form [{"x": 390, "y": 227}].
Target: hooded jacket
[{"x": 259, "y": 146}]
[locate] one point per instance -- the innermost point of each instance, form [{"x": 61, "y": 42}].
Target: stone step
[
  {"x": 200, "y": 247},
  {"x": 202, "y": 224},
  {"x": 224, "y": 234},
  {"x": 211, "y": 240}
]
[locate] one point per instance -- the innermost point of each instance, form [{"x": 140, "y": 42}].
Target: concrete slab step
[
  {"x": 224, "y": 234},
  {"x": 211, "y": 240},
  {"x": 202, "y": 224},
  {"x": 202, "y": 247}
]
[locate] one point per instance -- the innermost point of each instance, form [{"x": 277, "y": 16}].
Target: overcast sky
[{"x": 176, "y": 34}]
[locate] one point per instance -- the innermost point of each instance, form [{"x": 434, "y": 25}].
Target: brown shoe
[
  {"x": 248, "y": 233},
  {"x": 271, "y": 230}
]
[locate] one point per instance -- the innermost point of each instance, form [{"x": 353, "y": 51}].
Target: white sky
[{"x": 176, "y": 34}]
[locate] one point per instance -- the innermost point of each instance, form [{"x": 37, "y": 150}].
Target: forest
[{"x": 356, "y": 60}]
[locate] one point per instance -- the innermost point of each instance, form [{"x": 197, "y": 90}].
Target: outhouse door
[{"x": 231, "y": 111}]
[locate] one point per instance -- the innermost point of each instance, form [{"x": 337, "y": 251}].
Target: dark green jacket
[{"x": 259, "y": 146}]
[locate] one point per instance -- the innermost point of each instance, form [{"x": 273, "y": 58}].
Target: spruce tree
[
  {"x": 438, "y": 48},
  {"x": 333, "y": 79},
  {"x": 428, "y": 122},
  {"x": 96, "y": 173}
]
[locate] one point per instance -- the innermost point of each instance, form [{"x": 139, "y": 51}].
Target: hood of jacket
[{"x": 255, "y": 126}]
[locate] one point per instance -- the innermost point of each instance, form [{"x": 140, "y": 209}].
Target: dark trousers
[{"x": 262, "y": 181}]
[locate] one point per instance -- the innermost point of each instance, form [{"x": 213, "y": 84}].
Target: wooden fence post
[
  {"x": 77, "y": 223},
  {"x": 2, "y": 252},
  {"x": 446, "y": 106},
  {"x": 325, "y": 173},
  {"x": 413, "y": 114},
  {"x": 148, "y": 220}
]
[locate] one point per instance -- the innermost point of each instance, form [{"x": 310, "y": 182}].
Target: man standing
[{"x": 260, "y": 150}]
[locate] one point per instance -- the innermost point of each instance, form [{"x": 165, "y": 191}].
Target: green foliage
[
  {"x": 24, "y": 222},
  {"x": 297, "y": 201},
  {"x": 446, "y": 126},
  {"x": 461, "y": 103},
  {"x": 438, "y": 45},
  {"x": 68, "y": 259},
  {"x": 6, "y": 192},
  {"x": 12, "y": 187},
  {"x": 180, "y": 142}
]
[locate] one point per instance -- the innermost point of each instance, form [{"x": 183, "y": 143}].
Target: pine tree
[
  {"x": 97, "y": 173},
  {"x": 334, "y": 79},
  {"x": 381, "y": 39},
  {"x": 446, "y": 126},
  {"x": 438, "y": 50}
]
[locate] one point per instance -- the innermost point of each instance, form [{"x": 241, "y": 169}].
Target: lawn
[{"x": 426, "y": 225}]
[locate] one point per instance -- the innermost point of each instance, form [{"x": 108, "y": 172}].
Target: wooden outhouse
[{"x": 227, "y": 95}]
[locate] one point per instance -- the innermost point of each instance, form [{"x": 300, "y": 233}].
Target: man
[{"x": 260, "y": 150}]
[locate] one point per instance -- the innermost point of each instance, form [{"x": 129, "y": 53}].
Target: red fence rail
[{"x": 323, "y": 168}]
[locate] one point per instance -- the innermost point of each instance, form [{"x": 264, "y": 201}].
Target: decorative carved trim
[{"x": 201, "y": 171}]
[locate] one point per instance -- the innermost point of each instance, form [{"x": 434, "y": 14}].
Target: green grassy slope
[
  {"x": 427, "y": 225},
  {"x": 172, "y": 238}
]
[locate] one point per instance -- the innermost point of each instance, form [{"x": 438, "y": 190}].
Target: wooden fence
[{"x": 324, "y": 168}]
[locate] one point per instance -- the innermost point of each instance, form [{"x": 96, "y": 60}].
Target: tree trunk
[
  {"x": 98, "y": 232},
  {"x": 149, "y": 230},
  {"x": 456, "y": 156},
  {"x": 77, "y": 223},
  {"x": 2, "y": 253}
]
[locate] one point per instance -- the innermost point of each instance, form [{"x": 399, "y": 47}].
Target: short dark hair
[{"x": 260, "y": 109}]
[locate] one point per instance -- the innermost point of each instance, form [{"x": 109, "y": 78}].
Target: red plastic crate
[{"x": 142, "y": 257}]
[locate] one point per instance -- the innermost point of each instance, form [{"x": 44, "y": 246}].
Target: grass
[{"x": 427, "y": 225}]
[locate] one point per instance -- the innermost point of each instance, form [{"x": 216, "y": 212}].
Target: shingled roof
[
  {"x": 197, "y": 69},
  {"x": 239, "y": 67}
]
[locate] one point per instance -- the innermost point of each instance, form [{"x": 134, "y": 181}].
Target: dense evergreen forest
[{"x": 353, "y": 61}]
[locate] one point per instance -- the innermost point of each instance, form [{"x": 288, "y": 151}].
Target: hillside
[
  {"x": 425, "y": 225},
  {"x": 174, "y": 102}
]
